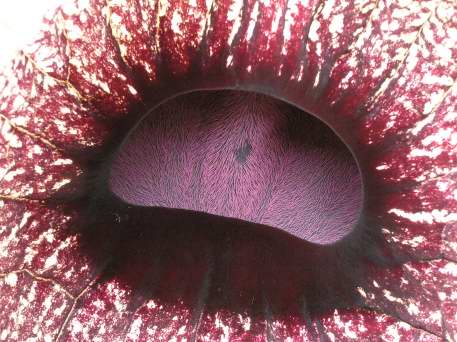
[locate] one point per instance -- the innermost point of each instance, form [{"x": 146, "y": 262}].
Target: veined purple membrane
[{"x": 242, "y": 155}]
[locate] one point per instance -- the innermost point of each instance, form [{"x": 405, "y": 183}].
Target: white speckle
[
  {"x": 132, "y": 90},
  {"x": 275, "y": 23},
  {"x": 292, "y": 9},
  {"x": 76, "y": 326},
  {"x": 74, "y": 32},
  {"x": 434, "y": 99},
  {"x": 336, "y": 25},
  {"x": 20, "y": 120},
  {"x": 11, "y": 279},
  {"x": 392, "y": 332},
  {"x": 51, "y": 261},
  {"x": 316, "y": 80},
  {"x": 436, "y": 317},
  {"x": 327, "y": 10},
  {"x": 115, "y": 18},
  {"x": 65, "y": 110},
  {"x": 347, "y": 326},
  {"x": 313, "y": 36},
  {"x": 104, "y": 86},
  {"x": 362, "y": 292},
  {"x": 246, "y": 322},
  {"x": 37, "y": 149},
  {"x": 391, "y": 298},
  {"x": 18, "y": 102},
  {"x": 163, "y": 7},
  {"x": 11, "y": 138},
  {"x": 450, "y": 268},
  {"x": 10, "y": 175},
  {"x": 181, "y": 330},
  {"x": 413, "y": 309},
  {"x": 83, "y": 17},
  {"x": 414, "y": 242},
  {"x": 382, "y": 167},
  {"x": 61, "y": 161},
  {"x": 4, "y": 334},
  {"x": 226, "y": 335},
  {"x": 444, "y": 53},
  {"x": 151, "y": 305},
  {"x": 60, "y": 184},
  {"x": 229, "y": 60},
  {"x": 442, "y": 296},
  {"x": 439, "y": 137},
  {"x": 421, "y": 124},
  {"x": 428, "y": 217},
  {"x": 31, "y": 295},
  {"x": 176, "y": 21},
  {"x": 443, "y": 80},
  {"x": 38, "y": 169}
]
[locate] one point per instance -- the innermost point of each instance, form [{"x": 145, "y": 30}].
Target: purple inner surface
[{"x": 242, "y": 155}]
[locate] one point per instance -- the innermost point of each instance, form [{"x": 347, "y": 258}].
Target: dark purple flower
[{"x": 99, "y": 241}]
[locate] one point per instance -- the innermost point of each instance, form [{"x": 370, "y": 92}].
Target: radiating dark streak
[
  {"x": 398, "y": 317},
  {"x": 148, "y": 286},
  {"x": 245, "y": 16},
  {"x": 202, "y": 297},
  {"x": 280, "y": 39},
  {"x": 203, "y": 45},
  {"x": 268, "y": 318},
  {"x": 302, "y": 58}
]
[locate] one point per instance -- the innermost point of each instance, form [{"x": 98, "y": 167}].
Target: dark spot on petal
[{"x": 243, "y": 152}]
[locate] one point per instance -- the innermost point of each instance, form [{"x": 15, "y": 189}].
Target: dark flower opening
[{"x": 242, "y": 155}]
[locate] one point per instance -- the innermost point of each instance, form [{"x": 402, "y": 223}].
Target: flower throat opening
[{"x": 242, "y": 155}]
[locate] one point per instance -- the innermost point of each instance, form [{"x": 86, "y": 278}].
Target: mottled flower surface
[{"x": 76, "y": 263}]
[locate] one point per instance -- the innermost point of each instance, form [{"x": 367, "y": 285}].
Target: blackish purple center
[{"x": 242, "y": 155}]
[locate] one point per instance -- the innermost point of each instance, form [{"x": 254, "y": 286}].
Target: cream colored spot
[
  {"x": 11, "y": 279},
  {"x": 176, "y": 22},
  {"x": 337, "y": 24},
  {"x": 60, "y": 184}
]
